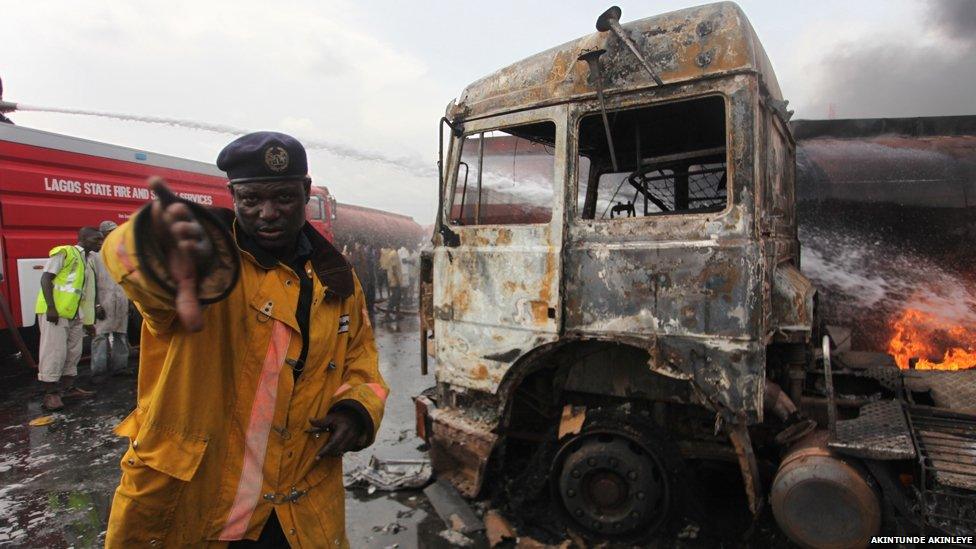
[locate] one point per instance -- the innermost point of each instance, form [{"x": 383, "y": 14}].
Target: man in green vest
[{"x": 65, "y": 306}]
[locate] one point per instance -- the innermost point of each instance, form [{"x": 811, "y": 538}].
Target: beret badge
[{"x": 276, "y": 159}]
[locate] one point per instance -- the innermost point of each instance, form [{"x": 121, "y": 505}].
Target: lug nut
[
  {"x": 575, "y": 473},
  {"x": 571, "y": 493},
  {"x": 641, "y": 496},
  {"x": 632, "y": 475},
  {"x": 591, "y": 462}
]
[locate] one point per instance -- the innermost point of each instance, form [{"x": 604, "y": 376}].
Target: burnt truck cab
[{"x": 614, "y": 290}]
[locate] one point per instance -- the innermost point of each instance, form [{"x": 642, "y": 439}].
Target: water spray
[{"x": 412, "y": 165}]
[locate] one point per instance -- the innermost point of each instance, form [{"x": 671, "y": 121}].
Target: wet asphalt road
[{"x": 56, "y": 482}]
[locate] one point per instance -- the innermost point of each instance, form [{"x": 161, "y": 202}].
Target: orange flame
[{"x": 938, "y": 344}]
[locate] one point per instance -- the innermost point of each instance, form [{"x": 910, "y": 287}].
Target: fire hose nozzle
[{"x": 7, "y": 106}]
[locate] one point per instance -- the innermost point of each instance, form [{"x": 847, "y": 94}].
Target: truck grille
[{"x": 946, "y": 448}]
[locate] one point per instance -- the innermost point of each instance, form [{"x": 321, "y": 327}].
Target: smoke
[
  {"x": 955, "y": 18},
  {"x": 926, "y": 70},
  {"x": 414, "y": 166}
]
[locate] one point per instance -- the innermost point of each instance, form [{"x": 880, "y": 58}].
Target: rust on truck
[
  {"x": 708, "y": 41},
  {"x": 509, "y": 292},
  {"x": 615, "y": 300}
]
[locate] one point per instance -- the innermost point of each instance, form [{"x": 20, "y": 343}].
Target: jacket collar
[{"x": 331, "y": 268}]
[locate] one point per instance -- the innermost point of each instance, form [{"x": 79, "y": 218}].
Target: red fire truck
[{"x": 52, "y": 184}]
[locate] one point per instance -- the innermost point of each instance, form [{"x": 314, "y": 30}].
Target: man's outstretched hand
[
  {"x": 346, "y": 430},
  {"x": 187, "y": 247}
]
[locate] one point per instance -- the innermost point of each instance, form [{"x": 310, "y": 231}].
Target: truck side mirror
[{"x": 450, "y": 238}]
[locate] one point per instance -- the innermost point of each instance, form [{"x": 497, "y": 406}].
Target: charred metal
[{"x": 616, "y": 305}]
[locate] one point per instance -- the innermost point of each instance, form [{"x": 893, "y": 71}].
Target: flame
[{"x": 937, "y": 343}]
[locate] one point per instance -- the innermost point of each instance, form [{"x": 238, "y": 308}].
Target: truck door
[
  {"x": 660, "y": 249},
  {"x": 496, "y": 295}
]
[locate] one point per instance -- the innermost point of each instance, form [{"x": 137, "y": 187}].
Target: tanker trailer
[
  {"x": 375, "y": 227},
  {"x": 887, "y": 219}
]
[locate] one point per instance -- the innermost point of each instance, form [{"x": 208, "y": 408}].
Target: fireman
[
  {"x": 391, "y": 265},
  {"x": 65, "y": 308},
  {"x": 258, "y": 367}
]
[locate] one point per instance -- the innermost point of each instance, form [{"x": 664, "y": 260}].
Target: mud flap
[
  {"x": 739, "y": 435},
  {"x": 459, "y": 449}
]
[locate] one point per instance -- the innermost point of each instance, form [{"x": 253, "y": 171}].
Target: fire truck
[
  {"x": 53, "y": 184},
  {"x": 624, "y": 338}
]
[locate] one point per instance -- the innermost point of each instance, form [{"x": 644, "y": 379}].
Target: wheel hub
[
  {"x": 606, "y": 489},
  {"x": 612, "y": 486}
]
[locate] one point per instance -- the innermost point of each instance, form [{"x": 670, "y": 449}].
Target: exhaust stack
[{"x": 610, "y": 21}]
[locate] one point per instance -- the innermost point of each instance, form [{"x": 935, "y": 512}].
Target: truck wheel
[{"x": 615, "y": 479}]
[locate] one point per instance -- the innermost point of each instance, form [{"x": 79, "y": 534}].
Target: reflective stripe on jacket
[
  {"x": 217, "y": 440},
  {"x": 69, "y": 283}
]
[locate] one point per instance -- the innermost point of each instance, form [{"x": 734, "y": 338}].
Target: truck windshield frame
[
  {"x": 699, "y": 166},
  {"x": 519, "y": 160}
]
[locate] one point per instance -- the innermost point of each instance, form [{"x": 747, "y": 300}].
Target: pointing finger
[
  {"x": 163, "y": 194},
  {"x": 187, "y": 305},
  {"x": 187, "y": 230}
]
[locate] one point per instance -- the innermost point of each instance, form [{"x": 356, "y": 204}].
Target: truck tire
[{"x": 617, "y": 478}]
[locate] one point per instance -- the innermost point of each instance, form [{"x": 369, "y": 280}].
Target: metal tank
[
  {"x": 375, "y": 227},
  {"x": 824, "y": 500}
]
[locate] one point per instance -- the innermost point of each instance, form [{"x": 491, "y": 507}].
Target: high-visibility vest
[{"x": 69, "y": 283}]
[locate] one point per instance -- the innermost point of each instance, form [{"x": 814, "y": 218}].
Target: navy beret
[{"x": 263, "y": 156}]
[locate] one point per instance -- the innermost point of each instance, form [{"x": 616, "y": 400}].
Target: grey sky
[{"x": 376, "y": 76}]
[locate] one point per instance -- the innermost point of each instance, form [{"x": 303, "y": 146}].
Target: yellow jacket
[{"x": 217, "y": 440}]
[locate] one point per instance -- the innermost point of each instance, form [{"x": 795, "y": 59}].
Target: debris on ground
[
  {"x": 392, "y": 474},
  {"x": 690, "y": 531},
  {"x": 392, "y": 528},
  {"x": 406, "y": 513},
  {"x": 42, "y": 421},
  {"x": 456, "y": 538},
  {"x": 577, "y": 541},
  {"x": 452, "y": 508},
  {"x": 498, "y": 528},
  {"x": 526, "y": 542}
]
